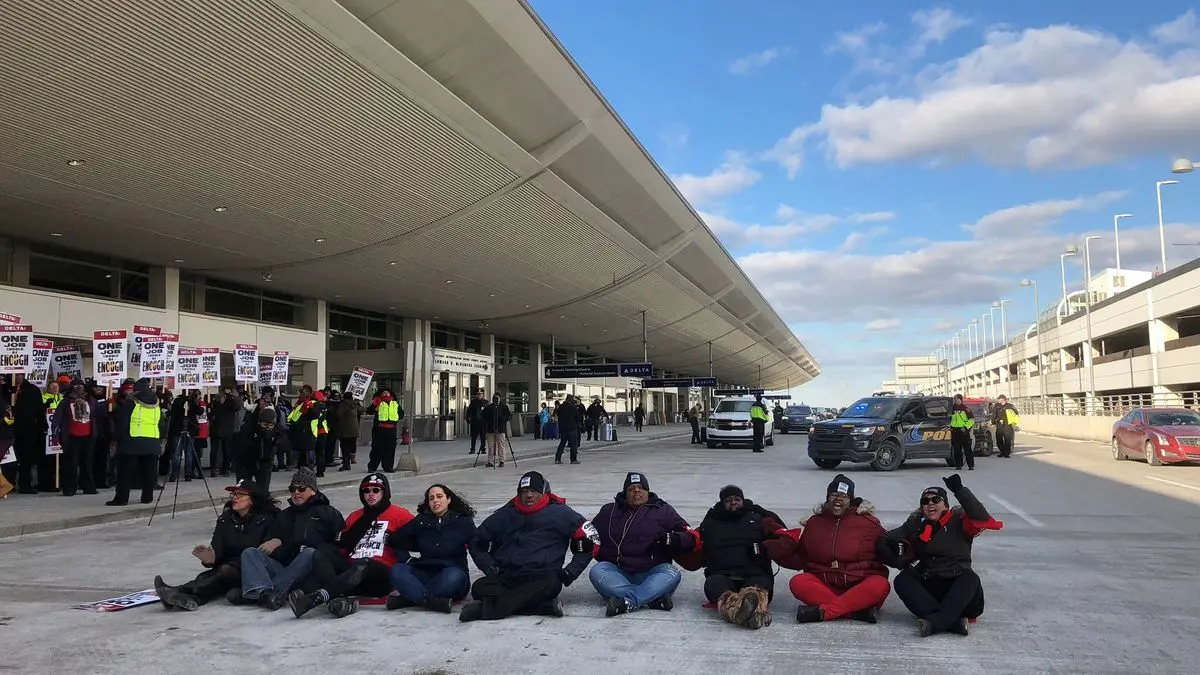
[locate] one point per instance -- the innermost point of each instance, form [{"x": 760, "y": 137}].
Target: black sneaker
[
  {"x": 551, "y": 608},
  {"x": 234, "y": 597},
  {"x": 868, "y": 615},
  {"x": 666, "y": 603},
  {"x": 472, "y": 611},
  {"x": 436, "y": 604},
  {"x": 960, "y": 627},
  {"x": 301, "y": 602},
  {"x": 397, "y": 601},
  {"x": 271, "y": 600},
  {"x": 809, "y": 614},
  {"x": 575, "y": 461},
  {"x": 924, "y": 628},
  {"x": 343, "y": 607},
  {"x": 616, "y": 606}
]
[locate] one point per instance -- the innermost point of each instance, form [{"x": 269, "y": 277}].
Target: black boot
[
  {"x": 809, "y": 614},
  {"x": 960, "y": 627},
  {"x": 436, "y": 604},
  {"x": 666, "y": 603},
  {"x": 343, "y": 607},
  {"x": 616, "y": 606},
  {"x": 172, "y": 597},
  {"x": 398, "y": 601},
  {"x": 472, "y": 611},
  {"x": 302, "y": 602},
  {"x": 271, "y": 600},
  {"x": 868, "y": 615},
  {"x": 234, "y": 597}
]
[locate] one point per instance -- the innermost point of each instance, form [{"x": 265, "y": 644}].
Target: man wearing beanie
[
  {"x": 842, "y": 574},
  {"x": 640, "y": 534},
  {"x": 257, "y": 444},
  {"x": 520, "y": 549},
  {"x": 941, "y": 589},
  {"x": 308, "y": 523},
  {"x": 360, "y": 561},
  {"x": 737, "y": 571}
]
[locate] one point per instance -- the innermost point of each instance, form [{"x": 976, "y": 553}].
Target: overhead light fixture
[
  {"x": 527, "y": 306},
  {"x": 392, "y": 263},
  {"x": 337, "y": 295},
  {"x": 605, "y": 330},
  {"x": 220, "y": 209},
  {"x": 178, "y": 261},
  {"x": 320, "y": 240},
  {"x": 107, "y": 276},
  {"x": 449, "y": 281},
  {"x": 491, "y": 295},
  {"x": 562, "y": 316},
  {"x": 56, "y": 234},
  {"x": 75, "y": 162},
  {"x": 391, "y": 307}
]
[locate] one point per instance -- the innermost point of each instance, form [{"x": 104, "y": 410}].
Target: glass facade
[
  {"x": 238, "y": 301},
  {"x": 512, "y": 352},
  {"x": 449, "y": 337},
  {"x": 60, "y": 269},
  {"x": 359, "y": 329}
]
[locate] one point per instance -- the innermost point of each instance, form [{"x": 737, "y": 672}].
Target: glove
[
  {"x": 492, "y": 572},
  {"x": 666, "y": 540},
  {"x": 565, "y": 577},
  {"x": 583, "y": 545},
  {"x": 953, "y": 483},
  {"x": 759, "y": 551}
]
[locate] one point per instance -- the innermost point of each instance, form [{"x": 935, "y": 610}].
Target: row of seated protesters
[{"x": 306, "y": 555}]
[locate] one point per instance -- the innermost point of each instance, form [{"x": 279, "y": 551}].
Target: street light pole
[
  {"x": 1117, "y": 235},
  {"x": 1004, "y": 334},
  {"x": 1038, "y": 328},
  {"x": 1162, "y": 237},
  {"x": 986, "y": 375},
  {"x": 1071, "y": 252},
  {"x": 1089, "y": 359}
]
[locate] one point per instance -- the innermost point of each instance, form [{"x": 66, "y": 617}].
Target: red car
[{"x": 1160, "y": 435}]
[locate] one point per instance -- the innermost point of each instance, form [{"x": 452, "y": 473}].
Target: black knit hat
[
  {"x": 305, "y": 477},
  {"x": 841, "y": 485},
  {"x": 936, "y": 490},
  {"x": 638, "y": 479},
  {"x": 732, "y": 491},
  {"x": 533, "y": 480}
]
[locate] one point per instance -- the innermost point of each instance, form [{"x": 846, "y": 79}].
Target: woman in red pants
[{"x": 842, "y": 574}]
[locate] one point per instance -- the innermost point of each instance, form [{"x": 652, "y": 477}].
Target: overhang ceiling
[{"x": 455, "y": 161}]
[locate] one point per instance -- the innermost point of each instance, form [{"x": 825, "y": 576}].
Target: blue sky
[{"x": 885, "y": 170}]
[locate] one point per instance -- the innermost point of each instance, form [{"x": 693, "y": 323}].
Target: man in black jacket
[
  {"x": 520, "y": 549},
  {"x": 271, "y": 570},
  {"x": 495, "y": 421},
  {"x": 475, "y": 421},
  {"x": 933, "y": 551},
  {"x": 570, "y": 418},
  {"x": 247, "y": 522},
  {"x": 258, "y": 442},
  {"x": 1005, "y": 419}
]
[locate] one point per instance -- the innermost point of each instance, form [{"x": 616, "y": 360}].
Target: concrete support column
[
  {"x": 322, "y": 312},
  {"x": 418, "y": 366},
  {"x": 537, "y": 364}
]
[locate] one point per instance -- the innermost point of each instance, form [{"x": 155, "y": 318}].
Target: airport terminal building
[{"x": 434, "y": 192}]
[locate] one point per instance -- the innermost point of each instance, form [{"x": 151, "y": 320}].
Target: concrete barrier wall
[{"x": 1094, "y": 428}]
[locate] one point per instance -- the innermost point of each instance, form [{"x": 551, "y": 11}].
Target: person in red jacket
[
  {"x": 843, "y": 575},
  {"x": 359, "y": 562}
]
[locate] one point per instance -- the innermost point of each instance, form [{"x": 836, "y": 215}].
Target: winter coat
[
  {"x": 29, "y": 414},
  {"x": 224, "y": 417},
  {"x": 126, "y": 444},
  {"x": 629, "y": 536},
  {"x": 175, "y": 425},
  {"x": 839, "y": 551},
  {"x": 346, "y": 418},
  {"x": 639, "y": 413},
  {"x": 258, "y": 445},
  {"x": 311, "y": 524},
  {"x": 475, "y": 411},
  {"x": 441, "y": 542},
  {"x": 942, "y": 549},
  {"x": 521, "y": 541},
  {"x": 733, "y": 540},
  {"x": 234, "y": 534},
  {"x": 570, "y": 417},
  {"x": 62, "y": 416},
  {"x": 373, "y": 544},
  {"x": 300, "y": 428},
  {"x": 595, "y": 411},
  {"x": 495, "y": 418}
]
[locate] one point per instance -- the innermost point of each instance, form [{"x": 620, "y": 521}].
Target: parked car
[
  {"x": 1159, "y": 435},
  {"x": 796, "y": 418}
]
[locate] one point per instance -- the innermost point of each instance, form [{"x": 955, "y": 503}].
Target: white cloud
[
  {"x": 1046, "y": 97},
  {"x": 883, "y": 324},
  {"x": 943, "y": 326},
  {"x": 733, "y": 176},
  {"x": 936, "y": 25},
  {"x": 872, "y": 217},
  {"x": 675, "y": 137},
  {"x": 795, "y": 226},
  {"x": 1035, "y": 217},
  {"x": 855, "y": 239},
  {"x": 859, "y": 44},
  {"x": 753, "y": 62},
  {"x": 1182, "y": 30}
]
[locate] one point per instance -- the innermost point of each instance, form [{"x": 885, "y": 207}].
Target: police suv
[{"x": 884, "y": 431}]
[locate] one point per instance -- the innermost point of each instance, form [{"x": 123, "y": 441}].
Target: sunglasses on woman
[
  {"x": 931, "y": 500},
  {"x": 371, "y": 490}
]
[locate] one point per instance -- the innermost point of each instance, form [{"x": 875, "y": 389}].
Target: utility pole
[{"x": 645, "y": 344}]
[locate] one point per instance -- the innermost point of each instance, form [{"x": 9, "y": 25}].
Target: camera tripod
[
  {"x": 179, "y": 465},
  {"x": 507, "y": 442}
]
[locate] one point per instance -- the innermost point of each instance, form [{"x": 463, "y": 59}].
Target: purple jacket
[
  {"x": 62, "y": 416},
  {"x": 629, "y": 537}
]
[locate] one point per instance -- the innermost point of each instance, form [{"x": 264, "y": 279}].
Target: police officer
[
  {"x": 139, "y": 426},
  {"x": 759, "y": 418},
  {"x": 962, "y": 420},
  {"x": 1006, "y": 419}
]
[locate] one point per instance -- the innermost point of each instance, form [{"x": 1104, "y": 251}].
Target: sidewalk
[{"x": 50, "y": 511}]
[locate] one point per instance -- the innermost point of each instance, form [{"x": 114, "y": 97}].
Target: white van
[{"x": 729, "y": 424}]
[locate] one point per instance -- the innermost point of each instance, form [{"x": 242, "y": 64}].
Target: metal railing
[{"x": 1114, "y": 405}]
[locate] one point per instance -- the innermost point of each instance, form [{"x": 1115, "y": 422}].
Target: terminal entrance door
[{"x": 453, "y": 392}]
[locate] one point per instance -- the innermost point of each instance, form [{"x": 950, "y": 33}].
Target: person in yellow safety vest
[
  {"x": 322, "y": 452},
  {"x": 302, "y": 429},
  {"x": 51, "y": 399},
  {"x": 962, "y": 420},
  {"x": 383, "y": 435},
  {"x": 140, "y": 426},
  {"x": 1006, "y": 419},
  {"x": 758, "y": 419}
]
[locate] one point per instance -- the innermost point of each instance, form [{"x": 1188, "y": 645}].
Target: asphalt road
[{"x": 1094, "y": 572}]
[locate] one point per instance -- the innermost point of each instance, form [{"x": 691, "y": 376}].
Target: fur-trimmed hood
[{"x": 860, "y": 506}]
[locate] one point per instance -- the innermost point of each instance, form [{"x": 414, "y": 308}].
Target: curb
[
  {"x": 144, "y": 510},
  {"x": 1066, "y": 438}
]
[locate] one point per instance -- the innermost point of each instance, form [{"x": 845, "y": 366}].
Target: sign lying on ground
[
  {"x": 598, "y": 370},
  {"x": 124, "y": 602},
  {"x": 679, "y": 382}
]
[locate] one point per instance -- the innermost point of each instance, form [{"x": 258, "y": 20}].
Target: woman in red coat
[{"x": 842, "y": 574}]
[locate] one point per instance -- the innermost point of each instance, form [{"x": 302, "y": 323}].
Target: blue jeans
[
  {"x": 639, "y": 588},
  {"x": 415, "y": 583},
  {"x": 261, "y": 572},
  {"x": 182, "y": 449}
]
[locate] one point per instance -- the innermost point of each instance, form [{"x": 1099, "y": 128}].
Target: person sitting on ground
[
  {"x": 933, "y": 551},
  {"x": 520, "y": 549},
  {"x": 440, "y": 534},
  {"x": 247, "y": 522},
  {"x": 737, "y": 571},
  {"x": 361, "y": 562},
  {"x": 842, "y": 575},
  {"x": 270, "y": 571},
  {"x": 639, "y": 535}
]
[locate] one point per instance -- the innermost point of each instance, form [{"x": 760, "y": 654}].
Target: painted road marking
[
  {"x": 1171, "y": 482},
  {"x": 1018, "y": 512}
]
